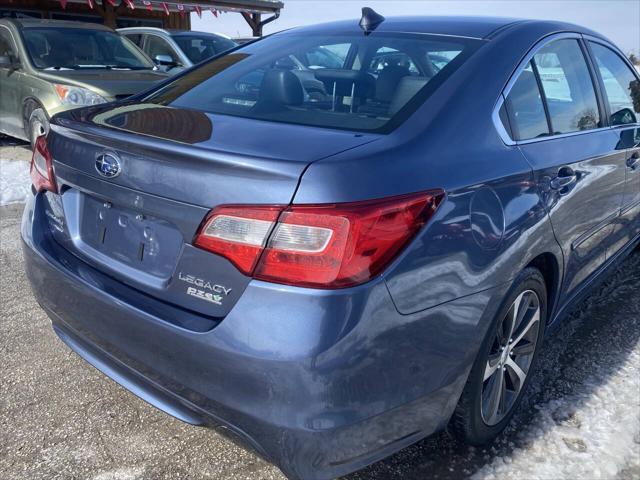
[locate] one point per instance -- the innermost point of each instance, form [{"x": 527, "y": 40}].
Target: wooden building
[{"x": 152, "y": 13}]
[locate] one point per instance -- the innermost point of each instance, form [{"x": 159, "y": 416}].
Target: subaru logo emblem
[{"x": 108, "y": 165}]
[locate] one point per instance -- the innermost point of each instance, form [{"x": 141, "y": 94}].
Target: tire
[
  {"x": 37, "y": 122},
  {"x": 483, "y": 412}
]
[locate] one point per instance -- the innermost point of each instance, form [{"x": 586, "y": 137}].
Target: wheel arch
[
  {"x": 25, "y": 102},
  {"x": 549, "y": 267}
]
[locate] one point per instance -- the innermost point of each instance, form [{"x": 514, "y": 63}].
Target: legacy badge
[{"x": 204, "y": 289}]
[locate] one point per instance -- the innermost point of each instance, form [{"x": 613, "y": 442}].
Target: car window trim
[
  {"x": 598, "y": 83},
  {"x": 616, "y": 50},
  {"x": 543, "y": 96},
  {"x": 502, "y": 132}
]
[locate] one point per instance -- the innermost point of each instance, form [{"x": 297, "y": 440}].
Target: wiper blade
[
  {"x": 128, "y": 67},
  {"x": 65, "y": 67}
]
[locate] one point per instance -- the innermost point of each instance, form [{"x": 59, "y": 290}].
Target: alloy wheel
[{"x": 510, "y": 357}]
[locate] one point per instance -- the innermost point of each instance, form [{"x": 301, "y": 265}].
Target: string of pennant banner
[{"x": 164, "y": 6}]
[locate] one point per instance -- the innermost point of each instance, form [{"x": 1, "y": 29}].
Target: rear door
[
  {"x": 555, "y": 114},
  {"x": 621, "y": 88}
]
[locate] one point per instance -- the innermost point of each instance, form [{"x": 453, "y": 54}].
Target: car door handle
[
  {"x": 565, "y": 179},
  {"x": 634, "y": 161}
]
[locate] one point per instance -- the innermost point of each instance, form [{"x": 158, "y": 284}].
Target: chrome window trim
[
  {"x": 562, "y": 135},
  {"x": 497, "y": 122},
  {"x": 537, "y": 47},
  {"x": 613, "y": 48},
  {"x": 500, "y": 128}
]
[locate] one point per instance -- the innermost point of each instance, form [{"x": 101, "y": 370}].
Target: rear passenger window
[
  {"x": 525, "y": 108},
  {"x": 568, "y": 87},
  {"x": 621, "y": 86}
]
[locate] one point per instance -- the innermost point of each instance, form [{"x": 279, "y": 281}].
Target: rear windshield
[
  {"x": 79, "y": 48},
  {"x": 200, "y": 47},
  {"x": 353, "y": 82}
]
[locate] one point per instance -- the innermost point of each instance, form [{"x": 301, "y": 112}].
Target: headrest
[
  {"x": 388, "y": 81},
  {"x": 407, "y": 88},
  {"x": 345, "y": 80},
  {"x": 280, "y": 87}
]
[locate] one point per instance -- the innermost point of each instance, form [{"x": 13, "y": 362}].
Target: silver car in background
[{"x": 175, "y": 50}]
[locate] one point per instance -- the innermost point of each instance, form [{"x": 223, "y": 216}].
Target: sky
[{"x": 619, "y": 20}]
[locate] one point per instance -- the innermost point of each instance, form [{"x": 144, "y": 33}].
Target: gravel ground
[{"x": 60, "y": 418}]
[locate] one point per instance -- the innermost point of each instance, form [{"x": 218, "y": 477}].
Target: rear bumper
[{"x": 320, "y": 383}]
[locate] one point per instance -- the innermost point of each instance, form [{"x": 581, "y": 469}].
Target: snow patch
[
  {"x": 15, "y": 182},
  {"x": 593, "y": 434}
]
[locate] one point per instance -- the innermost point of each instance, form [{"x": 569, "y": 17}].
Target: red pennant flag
[
  {"x": 90, "y": 3},
  {"x": 198, "y": 10},
  {"x": 130, "y": 4},
  {"x": 165, "y": 7},
  {"x": 148, "y": 4},
  {"x": 181, "y": 9},
  {"x": 63, "y": 4},
  {"x": 214, "y": 11}
]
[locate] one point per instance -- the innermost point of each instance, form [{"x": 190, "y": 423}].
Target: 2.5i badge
[
  {"x": 204, "y": 289},
  {"x": 208, "y": 296}
]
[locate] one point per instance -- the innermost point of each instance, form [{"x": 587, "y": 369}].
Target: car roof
[
  {"x": 143, "y": 29},
  {"x": 37, "y": 22},
  {"x": 459, "y": 26},
  {"x": 179, "y": 33}
]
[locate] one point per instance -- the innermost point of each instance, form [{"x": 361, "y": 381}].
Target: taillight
[
  {"x": 238, "y": 233},
  {"x": 42, "y": 175},
  {"x": 322, "y": 246}
]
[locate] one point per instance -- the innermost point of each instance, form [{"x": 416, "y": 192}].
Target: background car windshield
[
  {"x": 200, "y": 47},
  {"x": 75, "y": 48},
  {"x": 354, "y": 82}
]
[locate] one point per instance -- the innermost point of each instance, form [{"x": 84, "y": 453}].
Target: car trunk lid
[{"x": 174, "y": 166}]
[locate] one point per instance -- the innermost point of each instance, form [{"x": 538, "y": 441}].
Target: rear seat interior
[
  {"x": 347, "y": 91},
  {"x": 376, "y": 97}
]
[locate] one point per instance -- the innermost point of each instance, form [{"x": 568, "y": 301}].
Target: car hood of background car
[
  {"x": 108, "y": 83},
  {"x": 236, "y": 135}
]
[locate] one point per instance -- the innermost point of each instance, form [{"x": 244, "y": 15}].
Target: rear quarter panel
[{"x": 492, "y": 223}]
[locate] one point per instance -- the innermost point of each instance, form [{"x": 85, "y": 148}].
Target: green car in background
[{"x": 47, "y": 66}]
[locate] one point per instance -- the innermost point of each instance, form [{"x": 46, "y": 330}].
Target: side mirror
[
  {"x": 165, "y": 61},
  {"x": 623, "y": 117}
]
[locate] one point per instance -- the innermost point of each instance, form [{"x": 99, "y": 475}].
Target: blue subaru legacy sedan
[{"x": 340, "y": 239}]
